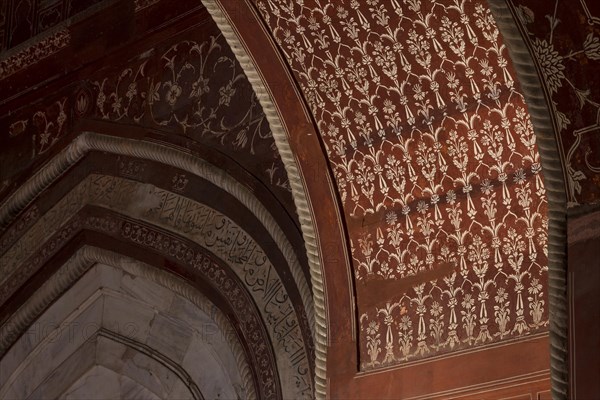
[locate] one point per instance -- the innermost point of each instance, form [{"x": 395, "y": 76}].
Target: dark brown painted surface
[
  {"x": 584, "y": 293},
  {"x": 563, "y": 38}
]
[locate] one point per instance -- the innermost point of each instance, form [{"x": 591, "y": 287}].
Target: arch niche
[{"x": 248, "y": 283}]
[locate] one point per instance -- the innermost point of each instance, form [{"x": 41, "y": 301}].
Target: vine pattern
[
  {"x": 568, "y": 64},
  {"x": 197, "y": 89},
  {"x": 188, "y": 90}
]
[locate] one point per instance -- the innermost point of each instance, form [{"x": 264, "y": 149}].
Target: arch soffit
[{"x": 224, "y": 13}]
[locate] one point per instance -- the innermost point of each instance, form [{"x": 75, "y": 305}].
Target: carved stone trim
[
  {"x": 200, "y": 225},
  {"x": 529, "y": 79},
  {"x": 89, "y": 141},
  {"x": 43, "y": 48},
  {"x": 83, "y": 260},
  {"x": 298, "y": 191}
]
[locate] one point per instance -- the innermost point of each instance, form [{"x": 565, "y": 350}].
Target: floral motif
[
  {"x": 591, "y": 47},
  {"x": 50, "y": 125},
  {"x": 18, "y": 127},
  {"x": 551, "y": 63},
  {"x": 173, "y": 92},
  {"x": 185, "y": 95}
]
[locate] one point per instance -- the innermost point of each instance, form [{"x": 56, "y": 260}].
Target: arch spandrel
[{"x": 186, "y": 89}]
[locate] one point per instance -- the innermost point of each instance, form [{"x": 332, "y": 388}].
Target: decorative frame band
[
  {"x": 50, "y": 44},
  {"x": 89, "y": 141},
  {"x": 216, "y": 10}
]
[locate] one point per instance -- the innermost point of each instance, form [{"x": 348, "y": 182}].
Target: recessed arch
[
  {"x": 301, "y": 358},
  {"x": 260, "y": 46},
  {"x": 104, "y": 279}
]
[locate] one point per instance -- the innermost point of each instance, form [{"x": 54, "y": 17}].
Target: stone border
[
  {"x": 529, "y": 79},
  {"x": 216, "y": 10},
  {"x": 89, "y": 141},
  {"x": 80, "y": 263},
  {"x": 44, "y": 47},
  {"x": 132, "y": 345},
  {"x": 158, "y": 217},
  {"x": 150, "y": 352}
]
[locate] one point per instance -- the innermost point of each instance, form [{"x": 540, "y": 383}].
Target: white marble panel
[
  {"x": 61, "y": 378},
  {"x": 165, "y": 337},
  {"x": 128, "y": 317},
  {"x": 102, "y": 384},
  {"x": 170, "y": 336},
  {"x": 58, "y": 342},
  {"x": 147, "y": 291}
]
